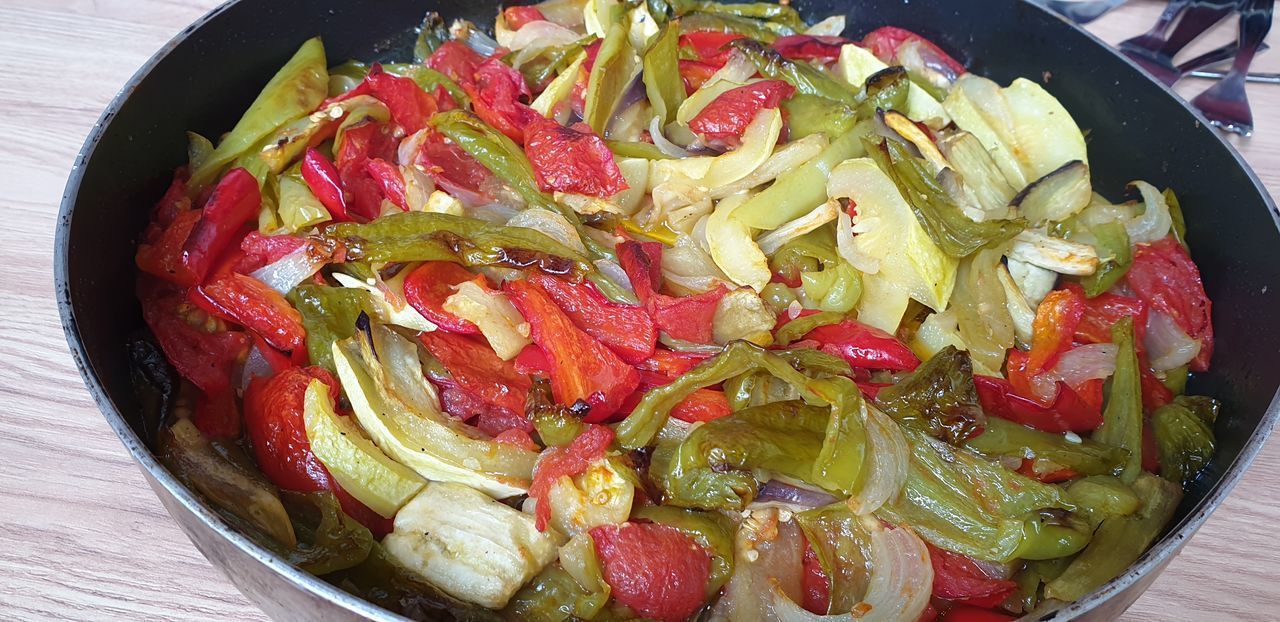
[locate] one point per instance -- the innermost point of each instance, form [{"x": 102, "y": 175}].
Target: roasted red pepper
[
  {"x": 1053, "y": 328},
  {"x": 217, "y": 416},
  {"x": 324, "y": 181},
  {"x": 1034, "y": 469},
  {"x": 695, "y": 73},
  {"x": 499, "y": 94},
  {"x": 265, "y": 249},
  {"x": 517, "y": 16},
  {"x": 428, "y": 287},
  {"x": 863, "y": 347},
  {"x": 1069, "y": 412},
  {"x": 389, "y": 180},
  {"x": 199, "y": 349},
  {"x": 702, "y": 405},
  {"x": 455, "y": 170},
  {"x": 959, "y": 578},
  {"x": 727, "y": 116},
  {"x": 161, "y": 255},
  {"x": 824, "y": 49},
  {"x": 234, "y": 202},
  {"x": 477, "y": 370},
  {"x": 252, "y": 304},
  {"x": 570, "y": 460},
  {"x": 582, "y": 367},
  {"x": 532, "y": 361},
  {"x": 688, "y": 318},
  {"x": 625, "y": 329},
  {"x": 457, "y": 61},
  {"x": 1164, "y": 276},
  {"x": 885, "y": 41},
  {"x": 1102, "y": 312},
  {"x": 572, "y": 159},
  {"x": 710, "y": 46}
]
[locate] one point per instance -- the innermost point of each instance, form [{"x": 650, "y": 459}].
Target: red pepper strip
[
  {"x": 701, "y": 406},
  {"x": 532, "y": 361},
  {"x": 710, "y": 46},
  {"x": 1053, "y": 328},
  {"x": 1164, "y": 276},
  {"x": 276, "y": 360},
  {"x": 361, "y": 143},
  {"x": 688, "y": 318},
  {"x": 1068, "y": 413},
  {"x": 517, "y": 16},
  {"x": 374, "y": 522},
  {"x": 1029, "y": 468},
  {"x": 671, "y": 365},
  {"x": 478, "y": 371},
  {"x": 488, "y": 418},
  {"x": 235, "y": 200},
  {"x": 217, "y": 416},
  {"x": 825, "y": 49},
  {"x": 694, "y": 74},
  {"x": 254, "y": 305},
  {"x": 572, "y": 159},
  {"x": 1102, "y": 312},
  {"x": 390, "y": 180},
  {"x": 1154, "y": 393},
  {"x": 266, "y": 249},
  {"x": 959, "y": 578},
  {"x": 872, "y": 389},
  {"x": 582, "y": 367},
  {"x": 557, "y": 462},
  {"x": 727, "y": 116},
  {"x": 428, "y": 287},
  {"x": 456, "y": 60},
  {"x": 863, "y": 346},
  {"x": 198, "y": 350},
  {"x": 815, "y": 584},
  {"x": 498, "y": 94},
  {"x": 325, "y": 182},
  {"x": 625, "y": 329},
  {"x": 885, "y": 41},
  {"x": 162, "y": 257},
  {"x": 965, "y": 613}
]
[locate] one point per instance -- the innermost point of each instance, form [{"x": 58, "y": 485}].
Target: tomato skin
[
  {"x": 254, "y": 305},
  {"x": 1103, "y": 311},
  {"x": 518, "y": 16},
  {"x": 161, "y": 255},
  {"x": 885, "y": 41},
  {"x": 273, "y": 416},
  {"x": 710, "y": 46},
  {"x": 389, "y": 180},
  {"x": 1164, "y": 276},
  {"x": 557, "y": 462},
  {"x": 1055, "y": 324},
  {"x": 701, "y": 406},
  {"x": 497, "y": 94},
  {"x": 477, "y": 370},
  {"x": 688, "y": 318},
  {"x": 428, "y": 287},
  {"x": 727, "y": 116},
  {"x": 217, "y": 416},
  {"x": 456, "y": 60},
  {"x": 455, "y": 170},
  {"x": 625, "y": 329},
  {"x": 654, "y": 569},
  {"x": 361, "y": 143},
  {"x": 582, "y": 367},
  {"x": 825, "y": 49},
  {"x": 958, "y": 578},
  {"x": 201, "y": 353},
  {"x": 266, "y": 249},
  {"x": 815, "y": 583},
  {"x": 410, "y": 106},
  {"x": 572, "y": 159},
  {"x": 235, "y": 200}
]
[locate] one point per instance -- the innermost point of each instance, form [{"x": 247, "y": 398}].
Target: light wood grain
[{"x": 81, "y": 535}]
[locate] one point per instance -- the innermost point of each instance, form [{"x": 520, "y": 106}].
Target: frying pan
[{"x": 206, "y": 77}]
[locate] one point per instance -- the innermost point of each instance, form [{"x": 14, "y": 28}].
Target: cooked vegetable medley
[{"x": 668, "y": 310}]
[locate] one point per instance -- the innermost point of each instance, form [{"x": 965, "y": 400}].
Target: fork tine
[
  {"x": 1153, "y": 39},
  {"x": 1226, "y": 104}
]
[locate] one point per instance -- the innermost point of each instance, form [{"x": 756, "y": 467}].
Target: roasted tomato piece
[
  {"x": 572, "y": 159},
  {"x": 1164, "y": 276},
  {"x": 198, "y": 346},
  {"x": 625, "y": 329},
  {"x": 477, "y": 370},
  {"x": 273, "y": 416},
  {"x": 569, "y": 460},
  {"x": 960, "y": 578},
  {"x": 727, "y": 116},
  {"x": 430, "y": 285},
  {"x": 885, "y": 42},
  {"x": 824, "y": 49},
  {"x": 654, "y": 569},
  {"x": 254, "y": 305}
]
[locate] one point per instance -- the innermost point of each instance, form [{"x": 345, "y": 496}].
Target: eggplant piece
[{"x": 154, "y": 382}]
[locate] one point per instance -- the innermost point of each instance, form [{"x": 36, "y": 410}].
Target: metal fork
[
  {"x": 1155, "y": 52},
  {"x": 1226, "y": 104}
]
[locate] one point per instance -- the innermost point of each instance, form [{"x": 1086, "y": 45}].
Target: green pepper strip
[
  {"x": 886, "y": 89},
  {"x": 1119, "y": 541},
  {"x": 796, "y": 329},
  {"x": 777, "y": 13},
  {"x": 759, "y": 30},
  {"x": 615, "y": 67},
  {"x": 799, "y": 190},
  {"x": 813, "y": 114},
  {"x": 644, "y": 151},
  {"x": 329, "y": 315},
  {"x": 711, "y": 530},
  {"x": 807, "y": 79},
  {"x": 1122, "y": 417},
  {"x": 1184, "y": 436},
  {"x": 661, "y": 73},
  {"x": 1117, "y": 256},
  {"x": 1089, "y": 457},
  {"x": 556, "y": 425},
  {"x": 938, "y": 398},
  {"x": 956, "y": 234},
  {"x": 1099, "y": 497},
  {"x": 1175, "y": 214},
  {"x": 554, "y": 596}
]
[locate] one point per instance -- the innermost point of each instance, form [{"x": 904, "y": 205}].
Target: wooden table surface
[{"x": 81, "y": 535}]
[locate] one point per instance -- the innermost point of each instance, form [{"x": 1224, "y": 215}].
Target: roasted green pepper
[
  {"x": 1087, "y": 457},
  {"x": 801, "y": 189},
  {"x": 556, "y": 425},
  {"x": 554, "y": 596},
  {"x": 813, "y": 114},
  {"x": 661, "y": 74},
  {"x": 884, "y": 90},
  {"x": 615, "y": 67},
  {"x": 760, "y": 30},
  {"x": 826, "y": 278},
  {"x": 431, "y": 35},
  {"x": 807, "y": 79},
  {"x": 1122, "y": 417},
  {"x": 938, "y": 398},
  {"x": 1115, "y": 257},
  {"x": 384, "y": 581},
  {"x": 329, "y": 315},
  {"x": 1184, "y": 436},
  {"x": 767, "y": 11}
]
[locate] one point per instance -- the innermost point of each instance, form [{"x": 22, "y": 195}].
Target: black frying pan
[{"x": 207, "y": 76}]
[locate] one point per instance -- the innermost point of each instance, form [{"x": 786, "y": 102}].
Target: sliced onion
[
  {"x": 473, "y": 37},
  {"x": 923, "y": 61},
  {"x": 660, "y": 141},
  {"x": 255, "y": 366},
  {"x": 567, "y": 13},
  {"x": 900, "y": 587},
  {"x": 767, "y": 559},
  {"x": 887, "y": 452},
  {"x": 1155, "y": 222},
  {"x": 686, "y": 265},
  {"x": 737, "y": 69},
  {"x": 494, "y": 213},
  {"x": 785, "y": 158},
  {"x": 287, "y": 272},
  {"x": 794, "y": 497},
  {"x": 1167, "y": 344},
  {"x": 1088, "y": 362},
  {"x": 542, "y": 34},
  {"x": 772, "y": 241},
  {"x": 829, "y": 27},
  {"x": 551, "y": 224},
  {"x": 848, "y": 250},
  {"x": 614, "y": 272}
]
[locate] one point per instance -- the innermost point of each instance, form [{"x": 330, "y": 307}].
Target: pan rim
[{"x": 1153, "y": 558}]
